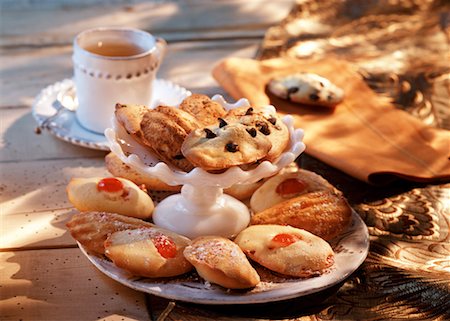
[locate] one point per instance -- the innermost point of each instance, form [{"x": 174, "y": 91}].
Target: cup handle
[{"x": 161, "y": 50}]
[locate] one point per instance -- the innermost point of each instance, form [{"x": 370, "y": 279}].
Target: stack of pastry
[
  {"x": 201, "y": 133},
  {"x": 294, "y": 212}
]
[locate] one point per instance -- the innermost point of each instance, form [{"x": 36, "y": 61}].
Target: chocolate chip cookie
[
  {"x": 224, "y": 145},
  {"x": 263, "y": 120},
  {"x": 306, "y": 88}
]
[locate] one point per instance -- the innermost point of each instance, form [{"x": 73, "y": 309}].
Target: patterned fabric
[{"x": 401, "y": 48}]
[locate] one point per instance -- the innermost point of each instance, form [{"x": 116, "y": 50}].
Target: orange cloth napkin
[{"x": 364, "y": 136}]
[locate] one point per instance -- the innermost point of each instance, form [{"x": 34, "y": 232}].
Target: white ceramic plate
[
  {"x": 67, "y": 128},
  {"x": 351, "y": 249}
]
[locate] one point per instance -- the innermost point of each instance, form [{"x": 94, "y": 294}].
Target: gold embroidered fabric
[{"x": 402, "y": 49}]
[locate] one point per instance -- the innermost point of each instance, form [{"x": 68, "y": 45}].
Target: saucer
[{"x": 66, "y": 127}]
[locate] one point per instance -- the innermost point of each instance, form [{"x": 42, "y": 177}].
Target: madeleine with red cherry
[
  {"x": 286, "y": 185},
  {"x": 109, "y": 194},
  {"x": 149, "y": 251},
  {"x": 286, "y": 250}
]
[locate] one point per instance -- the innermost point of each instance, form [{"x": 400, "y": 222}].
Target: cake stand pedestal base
[{"x": 201, "y": 211}]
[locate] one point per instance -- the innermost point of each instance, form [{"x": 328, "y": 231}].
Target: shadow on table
[
  {"x": 287, "y": 309},
  {"x": 51, "y": 279}
]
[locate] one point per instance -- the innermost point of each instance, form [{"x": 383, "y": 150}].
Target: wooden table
[{"x": 44, "y": 276}]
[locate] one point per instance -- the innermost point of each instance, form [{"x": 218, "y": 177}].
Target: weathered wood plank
[
  {"x": 46, "y": 279},
  {"x": 20, "y": 143},
  {"x": 61, "y": 284},
  {"x": 37, "y": 186},
  {"x": 190, "y": 64},
  {"x": 27, "y": 23},
  {"x": 46, "y": 229},
  {"x": 23, "y": 73}
]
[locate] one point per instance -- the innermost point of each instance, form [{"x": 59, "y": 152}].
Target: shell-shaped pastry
[
  {"x": 162, "y": 129},
  {"x": 205, "y": 110},
  {"x": 243, "y": 191},
  {"x": 92, "y": 228},
  {"x": 220, "y": 261},
  {"x": 322, "y": 213}
]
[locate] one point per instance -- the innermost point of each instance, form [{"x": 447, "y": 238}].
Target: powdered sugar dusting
[
  {"x": 350, "y": 249},
  {"x": 210, "y": 250}
]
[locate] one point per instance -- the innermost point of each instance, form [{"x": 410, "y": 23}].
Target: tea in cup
[{"x": 113, "y": 65}]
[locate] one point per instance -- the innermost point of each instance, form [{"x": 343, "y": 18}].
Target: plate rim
[{"x": 237, "y": 299}]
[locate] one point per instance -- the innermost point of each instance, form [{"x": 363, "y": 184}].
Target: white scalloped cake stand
[{"x": 201, "y": 208}]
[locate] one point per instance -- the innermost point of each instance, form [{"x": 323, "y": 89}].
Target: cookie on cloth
[
  {"x": 306, "y": 88},
  {"x": 205, "y": 110},
  {"x": 286, "y": 250},
  {"x": 266, "y": 121},
  {"x": 286, "y": 185},
  {"x": 224, "y": 145},
  {"x": 219, "y": 260},
  {"x": 91, "y": 229},
  {"x": 149, "y": 251},
  {"x": 322, "y": 213}
]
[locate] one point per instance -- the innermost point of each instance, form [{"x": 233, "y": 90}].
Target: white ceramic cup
[{"x": 106, "y": 75}]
